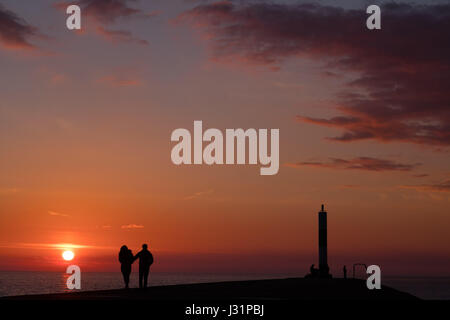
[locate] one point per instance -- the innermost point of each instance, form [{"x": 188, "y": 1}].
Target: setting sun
[{"x": 68, "y": 255}]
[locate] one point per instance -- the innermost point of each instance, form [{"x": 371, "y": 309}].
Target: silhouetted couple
[{"x": 126, "y": 259}]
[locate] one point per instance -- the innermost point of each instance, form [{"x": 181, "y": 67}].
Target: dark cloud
[
  {"x": 401, "y": 92},
  {"x": 360, "y": 163},
  {"x": 437, "y": 187},
  {"x": 108, "y": 11},
  {"x": 14, "y": 31}
]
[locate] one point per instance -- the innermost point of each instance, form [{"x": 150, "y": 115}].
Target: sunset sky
[{"x": 86, "y": 118}]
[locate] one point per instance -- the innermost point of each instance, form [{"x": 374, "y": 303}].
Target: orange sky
[{"x": 85, "y": 127}]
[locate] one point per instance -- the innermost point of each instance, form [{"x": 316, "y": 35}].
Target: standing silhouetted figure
[
  {"x": 345, "y": 272},
  {"x": 145, "y": 260},
  {"x": 125, "y": 259}
]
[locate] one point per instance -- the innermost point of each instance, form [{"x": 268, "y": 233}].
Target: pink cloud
[{"x": 117, "y": 36}]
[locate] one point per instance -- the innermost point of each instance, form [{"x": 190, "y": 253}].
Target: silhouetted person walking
[
  {"x": 145, "y": 260},
  {"x": 125, "y": 259},
  {"x": 345, "y": 272}
]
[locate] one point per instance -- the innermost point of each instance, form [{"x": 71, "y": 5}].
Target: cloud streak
[
  {"x": 57, "y": 214},
  {"x": 57, "y": 246},
  {"x": 8, "y": 191},
  {"x": 401, "y": 89},
  {"x": 443, "y": 186},
  {"x": 198, "y": 194},
  {"x": 360, "y": 163},
  {"x": 421, "y": 175},
  {"x": 132, "y": 226}
]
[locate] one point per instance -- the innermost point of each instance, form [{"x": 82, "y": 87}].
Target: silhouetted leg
[
  {"x": 127, "y": 279},
  {"x": 126, "y": 270},
  {"x": 124, "y": 278},
  {"x": 141, "y": 275},
  {"x": 146, "y": 276}
]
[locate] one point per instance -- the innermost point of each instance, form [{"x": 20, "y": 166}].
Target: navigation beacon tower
[{"x": 324, "y": 270}]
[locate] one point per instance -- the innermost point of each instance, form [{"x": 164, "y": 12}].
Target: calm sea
[{"x": 23, "y": 283}]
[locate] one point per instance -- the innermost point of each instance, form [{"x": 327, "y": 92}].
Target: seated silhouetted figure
[
  {"x": 314, "y": 271},
  {"x": 145, "y": 260},
  {"x": 125, "y": 259}
]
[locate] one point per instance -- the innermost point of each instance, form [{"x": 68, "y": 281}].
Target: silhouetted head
[
  {"x": 123, "y": 248},
  {"x": 144, "y": 246}
]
